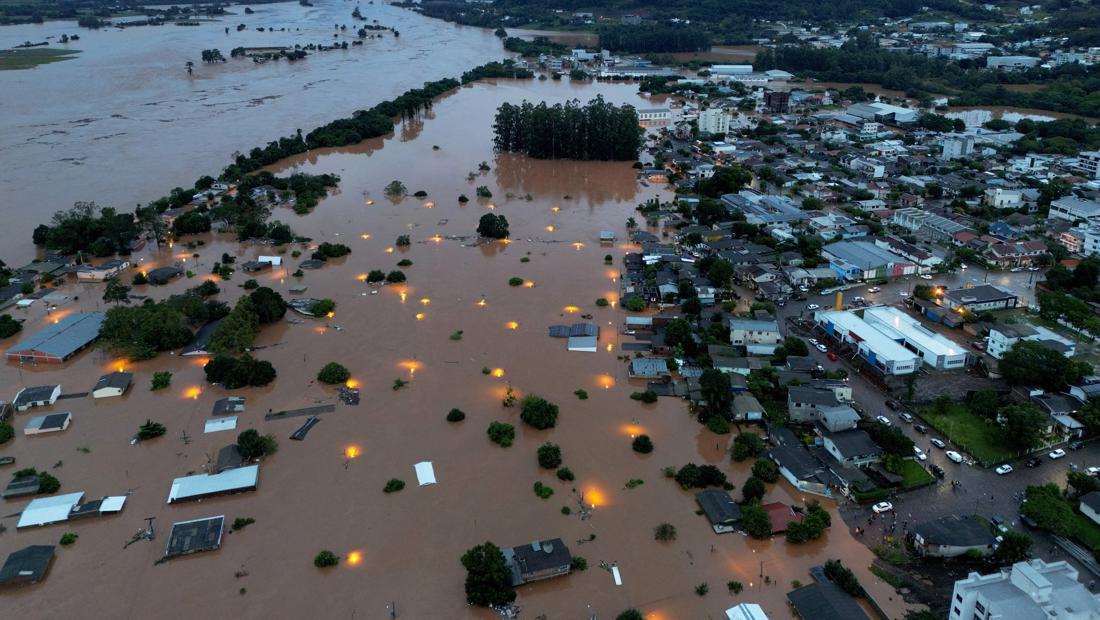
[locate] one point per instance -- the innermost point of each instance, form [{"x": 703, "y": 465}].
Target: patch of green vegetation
[
  {"x": 969, "y": 431},
  {"x": 914, "y": 474},
  {"x": 15, "y": 60}
]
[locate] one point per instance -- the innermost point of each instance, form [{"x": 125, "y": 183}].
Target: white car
[
  {"x": 882, "y": 507},
  {"x": 962, "y": 266},
  {"x": 883, "y": 420},
  {"x": 804, "y": 288},
  {"x": 1057, "y": 454},
  {"x": 1003, "y": 469},
  {"x": 813, "y": 341},
  {"x": 936, "y": 441},
  {"x": 925, "y": 276},
  {"x": 812, "y": 306},
  {"x": 1093, "y": 471},
  {"x": 822, "y": 348},
  {"x": 954, "y": 456},
  {"x": 1016, "y": 269},
  {"x": 921, "y": 456},
  {"x": 873, "y": 289}
]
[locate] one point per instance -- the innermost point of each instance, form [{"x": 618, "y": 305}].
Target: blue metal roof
[{"x": 65, "y": 337}]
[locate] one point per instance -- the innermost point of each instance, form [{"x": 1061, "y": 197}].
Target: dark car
[
  {"x": 1033, "y": 462},
  {"x": 1076, "y": 445},
  {"x": 936, "y": 469},
  {"x": 892, "y": 404},
  {"x": 920, "y": 428},
  {"x": 1028, "y": 521}
]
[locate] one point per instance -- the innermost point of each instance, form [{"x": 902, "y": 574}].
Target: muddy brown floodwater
[{"x": 312, "y": 497}]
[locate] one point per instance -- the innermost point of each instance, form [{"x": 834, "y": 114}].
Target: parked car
[
  {"x": 905, "y": 416},
  {"x": 813, "y": 341},
  {"x": 938, "y": 471},
  {"x": 882, "y": 507},
  {"x": 1028, "y": 521},
  {"x": 936, "y": 441},
  {"x": 892, "y": 405},
  {"x": 963, "y": 266},
  {"x": 883, "y": 420},
  {"x": 921, "y": 456},
  {"x": 1057, "y": 454},
  {"x": 1003, "y": 469},
  {"x": 920, "y": 428},
  {"x": 1076, "y": 445},
  {"x": 1093, "y": 471},
  {"x": 873, "y": 289},
  {"x": 812, "y": 306},
  {"x": 954, "y": 456},
  {"x": 804, "y": 288},
  {"x": 831, "y": 356},
  {"x": 1034, "y": 462},
  {"x": 822, "y": 348},
  {"x": 925, "y": 276},
  {"x": 7, "y": 460}
]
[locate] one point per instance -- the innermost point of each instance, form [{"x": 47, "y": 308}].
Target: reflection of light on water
[
  {"x": 429, "y": 204},
  {"x": 425, "y": 301},
  {"x": 389, "y": 250},
  {"x": 482, "y": 303},
  {"x": 606, "y": 381},
  {"x": 550, "y": 228},
  {"x": 571, "y": 309},
  {"x": 411, "y": 365},
  {"x": 420, "y": 316},
  {"x": 320, "y": 329},
  {"x": 403, "y": 295},
  {"x": 529, "y": 284},
  {"x": 505, "y": 241},
  {"x": 556, "y": 209},
  {"x": 370, "y": 202},
  {"x": 193, "y": 392},
  {"x": 361, "y": 277},
  {"x": 610, "y": 347},
  {"x": 437, "y": 238},
  {"x": 331, "y": 314},
  {"x": 355, "y": 558},
  {"x": 498, "y": 372},
  {"x": 632, "y": 429},
  {"x": 352, "y": 452},
  {"x": 352, "y": 383},
  {"x": 578, "y": 245},
  {"x": 594, "y": 496},
  {"x": 512, "y": 324},
  {"x": 491, "y": 206},
  {"x": 364, "y": 236}
]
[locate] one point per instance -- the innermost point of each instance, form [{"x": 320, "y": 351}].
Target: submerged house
[
  {"x": 59, "y": 341},
  {"x": 723, "y": 513},
  {"x": 952, "y": 536},
  {"x": 37, "y": 396},
  {"x": 112, "y": 384},
  {"x": 199, "y": 486},
  {"x": 538, "y": 560},
  {"x": 28, "y": 565}
]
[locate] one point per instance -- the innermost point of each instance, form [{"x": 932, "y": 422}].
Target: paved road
[{"x": 982, "y": 491}]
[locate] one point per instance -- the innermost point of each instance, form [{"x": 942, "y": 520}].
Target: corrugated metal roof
[
  {"x": 46, "y": 510},
  {"x": 200, "y": 485},
  {"x": 65, "y": 337}
]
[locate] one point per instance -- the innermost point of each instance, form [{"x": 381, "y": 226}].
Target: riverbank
[{"x": 20, "y": 59}]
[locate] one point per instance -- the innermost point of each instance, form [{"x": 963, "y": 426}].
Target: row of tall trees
[
  {"x": 655, "y": 38},
  {"x": 598, "y": 130}
]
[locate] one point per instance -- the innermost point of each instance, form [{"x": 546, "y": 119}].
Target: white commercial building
[
  {"x": 1088, "y": 164},
  {"x": 879, "y": 350},
  {"x": 730, "y": 69},
  {"x": 1012, "y": 63},
  {"x": 714, "y": 120},
  {"x": 1033, "y": 590},
  {"x": 937, "y": 351},
  {"x": 1002, "y": 337},
  {"x": 1073, "y": 208},
  {"x": 207, "y": 485}
]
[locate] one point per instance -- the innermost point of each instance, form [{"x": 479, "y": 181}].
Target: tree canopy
[
  {"x": 488, "y": 578},
  {"x": 598, "y": 130}
]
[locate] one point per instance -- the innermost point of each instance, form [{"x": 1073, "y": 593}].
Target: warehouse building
[
  {"x": 59, "y": 341},
  {"x": 859, "y": 261},
  {"x": 937, "y": 351},
  {"x": 876, "y": 348}
]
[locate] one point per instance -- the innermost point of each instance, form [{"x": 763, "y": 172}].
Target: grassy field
[
  {"x": 970, "y": 432},
  {"x": 14, "y": 60},
  {"x": 915, "y": 474}
]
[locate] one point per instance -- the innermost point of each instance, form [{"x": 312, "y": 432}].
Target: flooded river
[
  {"x": 311, "y": 495},
  {"x": 122, "y": 122}
]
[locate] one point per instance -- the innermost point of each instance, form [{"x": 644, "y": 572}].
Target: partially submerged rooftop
[{"x": 195, "y": 536}]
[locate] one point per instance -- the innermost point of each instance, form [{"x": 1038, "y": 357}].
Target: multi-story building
[
  {"x": 1073, "y": 209},
  {"x": 714, "y": 121},
  {"x": 1088, "y": 164},
  {"x": 957, "y": 146},
  {"x": 1033, "y": 590}
]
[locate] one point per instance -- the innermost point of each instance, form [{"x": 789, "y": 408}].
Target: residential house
[
  {"x": 852, "y": 448},
  {"x": 539, "y": 560},
  {"x": 747, "y": 408},
  {"x": 101, "y": 272},
  {"x": 1016, "y": 253},
  {"x": 804, "y": 403},
  {"x": 1004, "y": 336},
  {"x": 1090, "y": 506},
  {"x": 981, "y": 298},
  {"x": 758, "y": 337},
  {"x": 37, "y": 396},
  {"x": 952, "y": 536},
  {"x": 112, "y": 384},
  {"x": 723, "y": 513},
  {"x": 649, "y": 368}
]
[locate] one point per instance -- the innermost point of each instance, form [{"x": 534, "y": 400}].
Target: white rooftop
[
  {"x": 878, "y": 342},
  {"x": 46, "y": 510},
  {"x": 425, "y": 473},
  {"x": 910, "y": 328},
  {"x": 200, "y": 485}
]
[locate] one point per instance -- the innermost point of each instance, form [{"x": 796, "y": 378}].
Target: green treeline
[
  {"x": 1069, "y": 88},
  {"x": 532, "y": 49},
  {"x": 598, "y": 130},
  {"x": 659, "y": 39}
]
